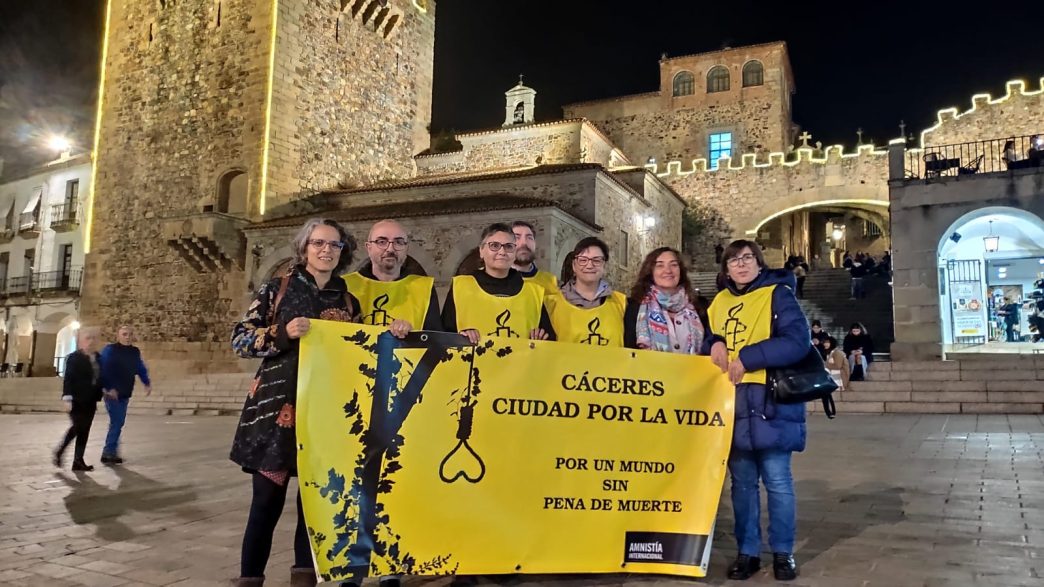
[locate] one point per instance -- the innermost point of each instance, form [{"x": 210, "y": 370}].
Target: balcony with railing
[
  {"x": 29, "y": 223},
  {"x": 66, "y": 216},
  {"x": 7, "y": 233},
  {"x": 979, "y": 157},
  {"x": 42, "y": 283}
]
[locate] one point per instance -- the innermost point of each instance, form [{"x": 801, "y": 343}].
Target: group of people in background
[
  {"x": 90, "y": 377},
  {"x": 508, "y": 295},
  {"x": 850, "y": 362}
]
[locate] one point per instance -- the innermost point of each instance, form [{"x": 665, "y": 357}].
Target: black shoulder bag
[{"x": 804, "y": 381}]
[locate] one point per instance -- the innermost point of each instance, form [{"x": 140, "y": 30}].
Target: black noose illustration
[
  {"x": 466, "y": 416},
  {"x": 385, "y": 423}
]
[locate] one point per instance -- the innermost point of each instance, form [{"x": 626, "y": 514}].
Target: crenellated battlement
[
  {"x": 981, "y": 104},
  {"x": 832, "y": 154}
]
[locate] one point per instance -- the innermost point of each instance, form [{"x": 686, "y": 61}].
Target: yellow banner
[{"x": 427, "y": 457}]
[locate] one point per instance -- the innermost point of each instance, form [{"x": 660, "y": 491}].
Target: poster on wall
[{"x": 969, "y": 316}]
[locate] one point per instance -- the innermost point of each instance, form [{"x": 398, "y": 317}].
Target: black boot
[
  {"x": 111, "y": 460},
  {"x": 79, "y": 465},
  {"x": 783, "y": 566},
  {"x": 57, "y": 458},
  {"x": 744, "y": 567}
]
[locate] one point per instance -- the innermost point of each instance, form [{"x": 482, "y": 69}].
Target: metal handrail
[{"x": 988, "y": 156}]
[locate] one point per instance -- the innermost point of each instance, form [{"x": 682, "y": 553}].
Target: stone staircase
[
  {"x": 827, "y": 300},
  {"x": 990, "y": 385}
]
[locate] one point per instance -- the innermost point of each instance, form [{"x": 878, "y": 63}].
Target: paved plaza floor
[{"x": 901, "y": 500}]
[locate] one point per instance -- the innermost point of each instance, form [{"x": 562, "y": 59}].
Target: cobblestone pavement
[{"x": 899, "y": 500}]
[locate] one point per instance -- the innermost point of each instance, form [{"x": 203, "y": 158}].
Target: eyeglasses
[
  {"x": 321, "y": 244},
  {"x": 593, "y": 261},
  {"x": 496, "y": 246},
  {"x": 741, "y": 260},
  {"x": 398, "y": 243}
]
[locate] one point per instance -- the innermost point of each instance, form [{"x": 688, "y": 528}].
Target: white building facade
[{"x": 41, "y": 264}]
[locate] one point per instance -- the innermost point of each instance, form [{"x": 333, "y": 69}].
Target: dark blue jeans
[
  {"x": 773, "y": 468},
  {"x": 117, "y": 409}
]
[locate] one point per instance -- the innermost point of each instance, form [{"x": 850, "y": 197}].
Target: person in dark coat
[
  {"x": 81, "y": 392},
  {"x": 121, "y": 363},
  {"x": 265, "y": 443},
  {"x": 858, "y": 338},
  {"x": 757, "y": 324}
]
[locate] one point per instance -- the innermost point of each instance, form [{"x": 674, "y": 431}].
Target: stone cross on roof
[
  {"x": 859, "y": 133},
  {"x": 804, "y": 136}
]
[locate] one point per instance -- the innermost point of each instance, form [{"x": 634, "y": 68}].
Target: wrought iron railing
[
  {"x": 976, "y": 157},
  {"x": 28, "y": 221},
  {"x": 67, "y": 213},
  {"x": 44, "y": 281}
]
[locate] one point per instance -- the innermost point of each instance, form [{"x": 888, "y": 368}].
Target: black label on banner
[{"x": 664, "y": 547}]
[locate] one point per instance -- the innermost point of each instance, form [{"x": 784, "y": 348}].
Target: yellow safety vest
[
  {"x": 512, "y": 316},
  {"x": 743, "y": 320},
  {"x": 546, "y": 280},
  {"x": 383, "y": 301},
  {"x": 601, "y": 326}
]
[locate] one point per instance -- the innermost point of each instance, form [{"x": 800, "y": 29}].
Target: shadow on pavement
[{"x": 90, "y": 502}]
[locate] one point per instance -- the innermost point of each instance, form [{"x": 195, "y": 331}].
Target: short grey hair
[{"x": 300, "y": 243}]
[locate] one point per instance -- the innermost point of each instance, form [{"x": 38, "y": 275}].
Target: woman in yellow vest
[
  {"x": 663, "y": 312},
  {"x": 495, "y": 300},
  {"x": 586, "y": 309},
  {"x": 757, "y": 324}
]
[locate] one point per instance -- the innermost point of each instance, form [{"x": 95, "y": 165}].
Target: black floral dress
[{"x": 265, "y": 438}]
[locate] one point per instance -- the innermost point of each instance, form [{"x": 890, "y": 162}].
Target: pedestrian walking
[
  {"x": 81, "y": 392},
  {"x": 663, "y": 311},
  {"x": 121, "y": 364},
  {"x": 800, "y": 273},
  {"x": 265, "y": 444},
  {"x": 757, "y": 324}
]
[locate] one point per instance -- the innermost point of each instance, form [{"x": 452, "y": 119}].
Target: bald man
[{"x": 388, "y": 294}]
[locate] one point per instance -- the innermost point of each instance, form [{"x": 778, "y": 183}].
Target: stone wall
[
  {"x": 352, "y": 100},
  {"x": 742, "y": 195},
  {"x": 922, "y": 214},
  {"x": 1019, "y": 112},
  {"x": 665, "y": 127},
  {"x": 183, "y": 102},
  {"x": 560, "y": 142}
]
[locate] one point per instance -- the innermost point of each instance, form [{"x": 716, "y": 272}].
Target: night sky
[{"x": 860, "y": 64}]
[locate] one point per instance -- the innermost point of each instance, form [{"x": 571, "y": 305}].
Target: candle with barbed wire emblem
[
  {"x": 593, "y": 336},
  {"x": 379, "y": 317},
  {"x": 503, "y": 329}
]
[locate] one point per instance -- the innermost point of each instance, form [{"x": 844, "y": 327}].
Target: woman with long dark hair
[
  {"x": 265, "y": 444},
  {"x": 663, "y": 311},
  {"x": 757, "y": 324}
]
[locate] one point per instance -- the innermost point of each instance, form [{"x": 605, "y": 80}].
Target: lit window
[
  {"x": 720, "y": 146},
  {"x": 718, "y": 79},
  {"x": 753, "y": 74},
  {"x": 684, "y": 84}
]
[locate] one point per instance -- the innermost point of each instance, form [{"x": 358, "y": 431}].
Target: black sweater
[
  {"x": 501, "y": 287},
  {"x": 82, "y": 381}
]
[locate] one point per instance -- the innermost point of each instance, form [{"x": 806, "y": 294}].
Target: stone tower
[{"x": 216, "y": 114}]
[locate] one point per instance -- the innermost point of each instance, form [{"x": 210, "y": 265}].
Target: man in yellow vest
[
  {"x": 388, "y": 294},
  {"x": 586, "y": 310},
  {"x": 525, "y": 253},
  {"x": 495, "y": 300}
]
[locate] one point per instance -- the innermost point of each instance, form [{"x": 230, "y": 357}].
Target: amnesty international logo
[
  {"x": 594, "y": 336},
  {"x": 503, "y": 328},
  {"x": 734, "y": 328},
  {"x": 379, "y": 317}
]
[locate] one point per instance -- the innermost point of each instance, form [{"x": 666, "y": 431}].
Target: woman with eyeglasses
[
  {"x": 495, "y": 300},
  {"x": 265, "y": 444},
  {"x": 586, "y": 309},
  {"x": 663, "y": 312},
  {"x": 756, "y": 325}
]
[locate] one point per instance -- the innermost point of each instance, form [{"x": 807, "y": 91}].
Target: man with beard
[
  {"x": 525, "y": 253},
  {"x": 390, "y": 294}
]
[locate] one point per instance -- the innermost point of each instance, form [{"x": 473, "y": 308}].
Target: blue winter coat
[{"x": 761, "y": 423}]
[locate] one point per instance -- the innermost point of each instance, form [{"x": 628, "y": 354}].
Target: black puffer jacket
[{"x": 265, "y": 438}]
